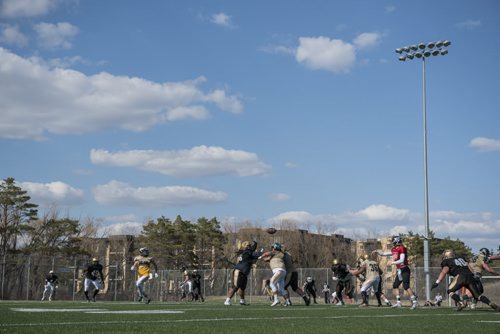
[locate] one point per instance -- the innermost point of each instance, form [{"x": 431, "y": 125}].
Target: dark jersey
[
  {"x": 51, "y": 278},
  {"x": 340, "y": 270},
  {"x": 456, "y": 266},
  {"x": 93, "y": 271},
  {"x": 246, "y": 258},
  {"x": 310, "y": 286}
]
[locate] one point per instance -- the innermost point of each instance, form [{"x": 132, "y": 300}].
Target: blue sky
[{"x": 268, "y": 112}]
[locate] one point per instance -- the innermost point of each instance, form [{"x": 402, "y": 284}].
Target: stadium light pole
[{"x": 423, "y": 51}]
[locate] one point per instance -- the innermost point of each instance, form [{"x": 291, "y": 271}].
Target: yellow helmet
[
  {"x": 448, "y": 253},
  {"x": 244, "y": 245}
]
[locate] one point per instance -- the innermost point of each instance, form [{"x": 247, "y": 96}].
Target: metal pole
[
  {"x": 426, "y": 191},
  {"x": 28, "y": 279}
]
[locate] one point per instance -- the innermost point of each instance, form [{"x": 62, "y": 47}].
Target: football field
[{"x": 213, "y": 317}]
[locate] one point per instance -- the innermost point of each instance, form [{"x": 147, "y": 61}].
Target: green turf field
[{"x": 213, "y": 317}]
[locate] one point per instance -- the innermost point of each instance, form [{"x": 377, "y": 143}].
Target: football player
[
  {"x": 399, "y": 255},
  {"x": 143, "y": 263},
  {"x": 462, "y": 277},
  {"x": 50, "y": 285},
  {"x": 247, "y": 256},
  {"x": 371, "y": 272},
  {"x": 342, "y": 275},
  {"x": 93, "y": 275},
  {"x": 292, "y": 280},
  {"x": 196, "y": 281},
  {"x": 310, "y": 288},
  {"x": 477, "y": 265},
  {"x": 275, "y": 257}
]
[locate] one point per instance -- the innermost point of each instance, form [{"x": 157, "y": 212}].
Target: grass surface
[{"x": 213, "y": 317}]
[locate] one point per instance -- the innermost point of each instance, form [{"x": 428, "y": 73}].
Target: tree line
[{"x": 202, "y": 244}]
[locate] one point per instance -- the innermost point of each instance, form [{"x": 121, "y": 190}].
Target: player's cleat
[
  {"x": 43, "y": 298},
  {"x": 363, "y": 305},
  {"x": 93, "y": 299},
  {"x": 340, "y": 304},
  {"x": 243, "y": 303},
  {"x": 388, "y": 303},
  {"x": 461, "y": 306},
  {"x": 276, "y": 302},
  {"x": 414, "y": 305},
  {"x": 472, "y": 306},
  {"x": 397, "y": 305},
  {"x": 139, "y": 300},
  {"x": 227, "y": 303},
  {"x": 148, "y": 301},
  {"x": 306, "y": 300},
  {"x": 495, "y": 307}
]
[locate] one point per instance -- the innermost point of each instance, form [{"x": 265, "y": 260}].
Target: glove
[
  {"x": 434, "y": 285},
  {"x": 132, "y": 268},
  {"x": 156, "y": 275},
  {"x": 150, "y": 275}
]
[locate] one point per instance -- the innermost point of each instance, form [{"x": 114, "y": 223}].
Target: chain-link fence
[{"x": 23, "y": 278}]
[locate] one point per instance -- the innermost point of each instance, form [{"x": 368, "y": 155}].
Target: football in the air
[{"x": 271, "y": 230}]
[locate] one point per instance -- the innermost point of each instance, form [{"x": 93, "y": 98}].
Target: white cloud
[
  {"x": 390, "y": 8},
  {"x": 26, "y": 8},
  {"x": 221, "y": 19},
  {"x": 485, "y": 144},
  {"x": 280, "y": 197},
  {"x": 53, "y": 193},
  {"x": 122, "y": 194},
  {"x": 54, "y": 36},
  {"x": 334, "y": 55},
  {"x": 127, "y": 228},
  {"x": 367, "y": 39},
  {"x": 120, "y": 225},
  {"x": 383, "y": 212},
  {"x": 323, "y": 53},
  {"x": 11, "y": 35},
  {"x": 197, "y": 161},
  {"x": 277, "y": 49},
  {"x": 476, "y": 229},
  {"x": 36, "y": 99},
  {"x": 469, "y": 24}
]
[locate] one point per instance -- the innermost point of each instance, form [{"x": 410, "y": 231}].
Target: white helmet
[{"x": 309, "y": 279}]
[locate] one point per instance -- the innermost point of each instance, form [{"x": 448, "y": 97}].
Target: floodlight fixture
[
  {"x": 443, "y": 52},
  {"x": 446, "y": 43},
  {"x": 431, "y": 45},
  {"x": 421, "y": 46},
  {"x": 402, "y": 58},
  {"x": 413, "y": 47},
  {"x": 435, "y": 52},
  {"x": 439, "y": 44},
  {"x": 410, "y": 55},
  {"x": 399, "y": 50},
  {"x": 418, "y": 54},
  {"x": 427, "y": 53}
]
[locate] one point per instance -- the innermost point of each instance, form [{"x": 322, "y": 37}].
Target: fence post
[
  {"x": 74, "y": 279},
  {"x": 3, "y": 273},
  {"x": 28, "y": 279}
]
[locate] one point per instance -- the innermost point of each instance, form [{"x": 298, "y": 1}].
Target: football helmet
[
  {"x": 309, "y": 279},
  {"x": 245, "y": 245},
  {"x": 51, "y": 272},
  {"x": 448, "y": 253},
  {"x": 335, "y": 261},
  {"x": 485, "y": 252},
  {"x": 396, "y": 241},
  {"x": 144, "y": 251},
  {"x": 276, "y": 246},
  {"x": 95, "y": 259}
]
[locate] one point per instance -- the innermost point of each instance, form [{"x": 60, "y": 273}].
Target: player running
[{"x": 143, "y": 263}]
